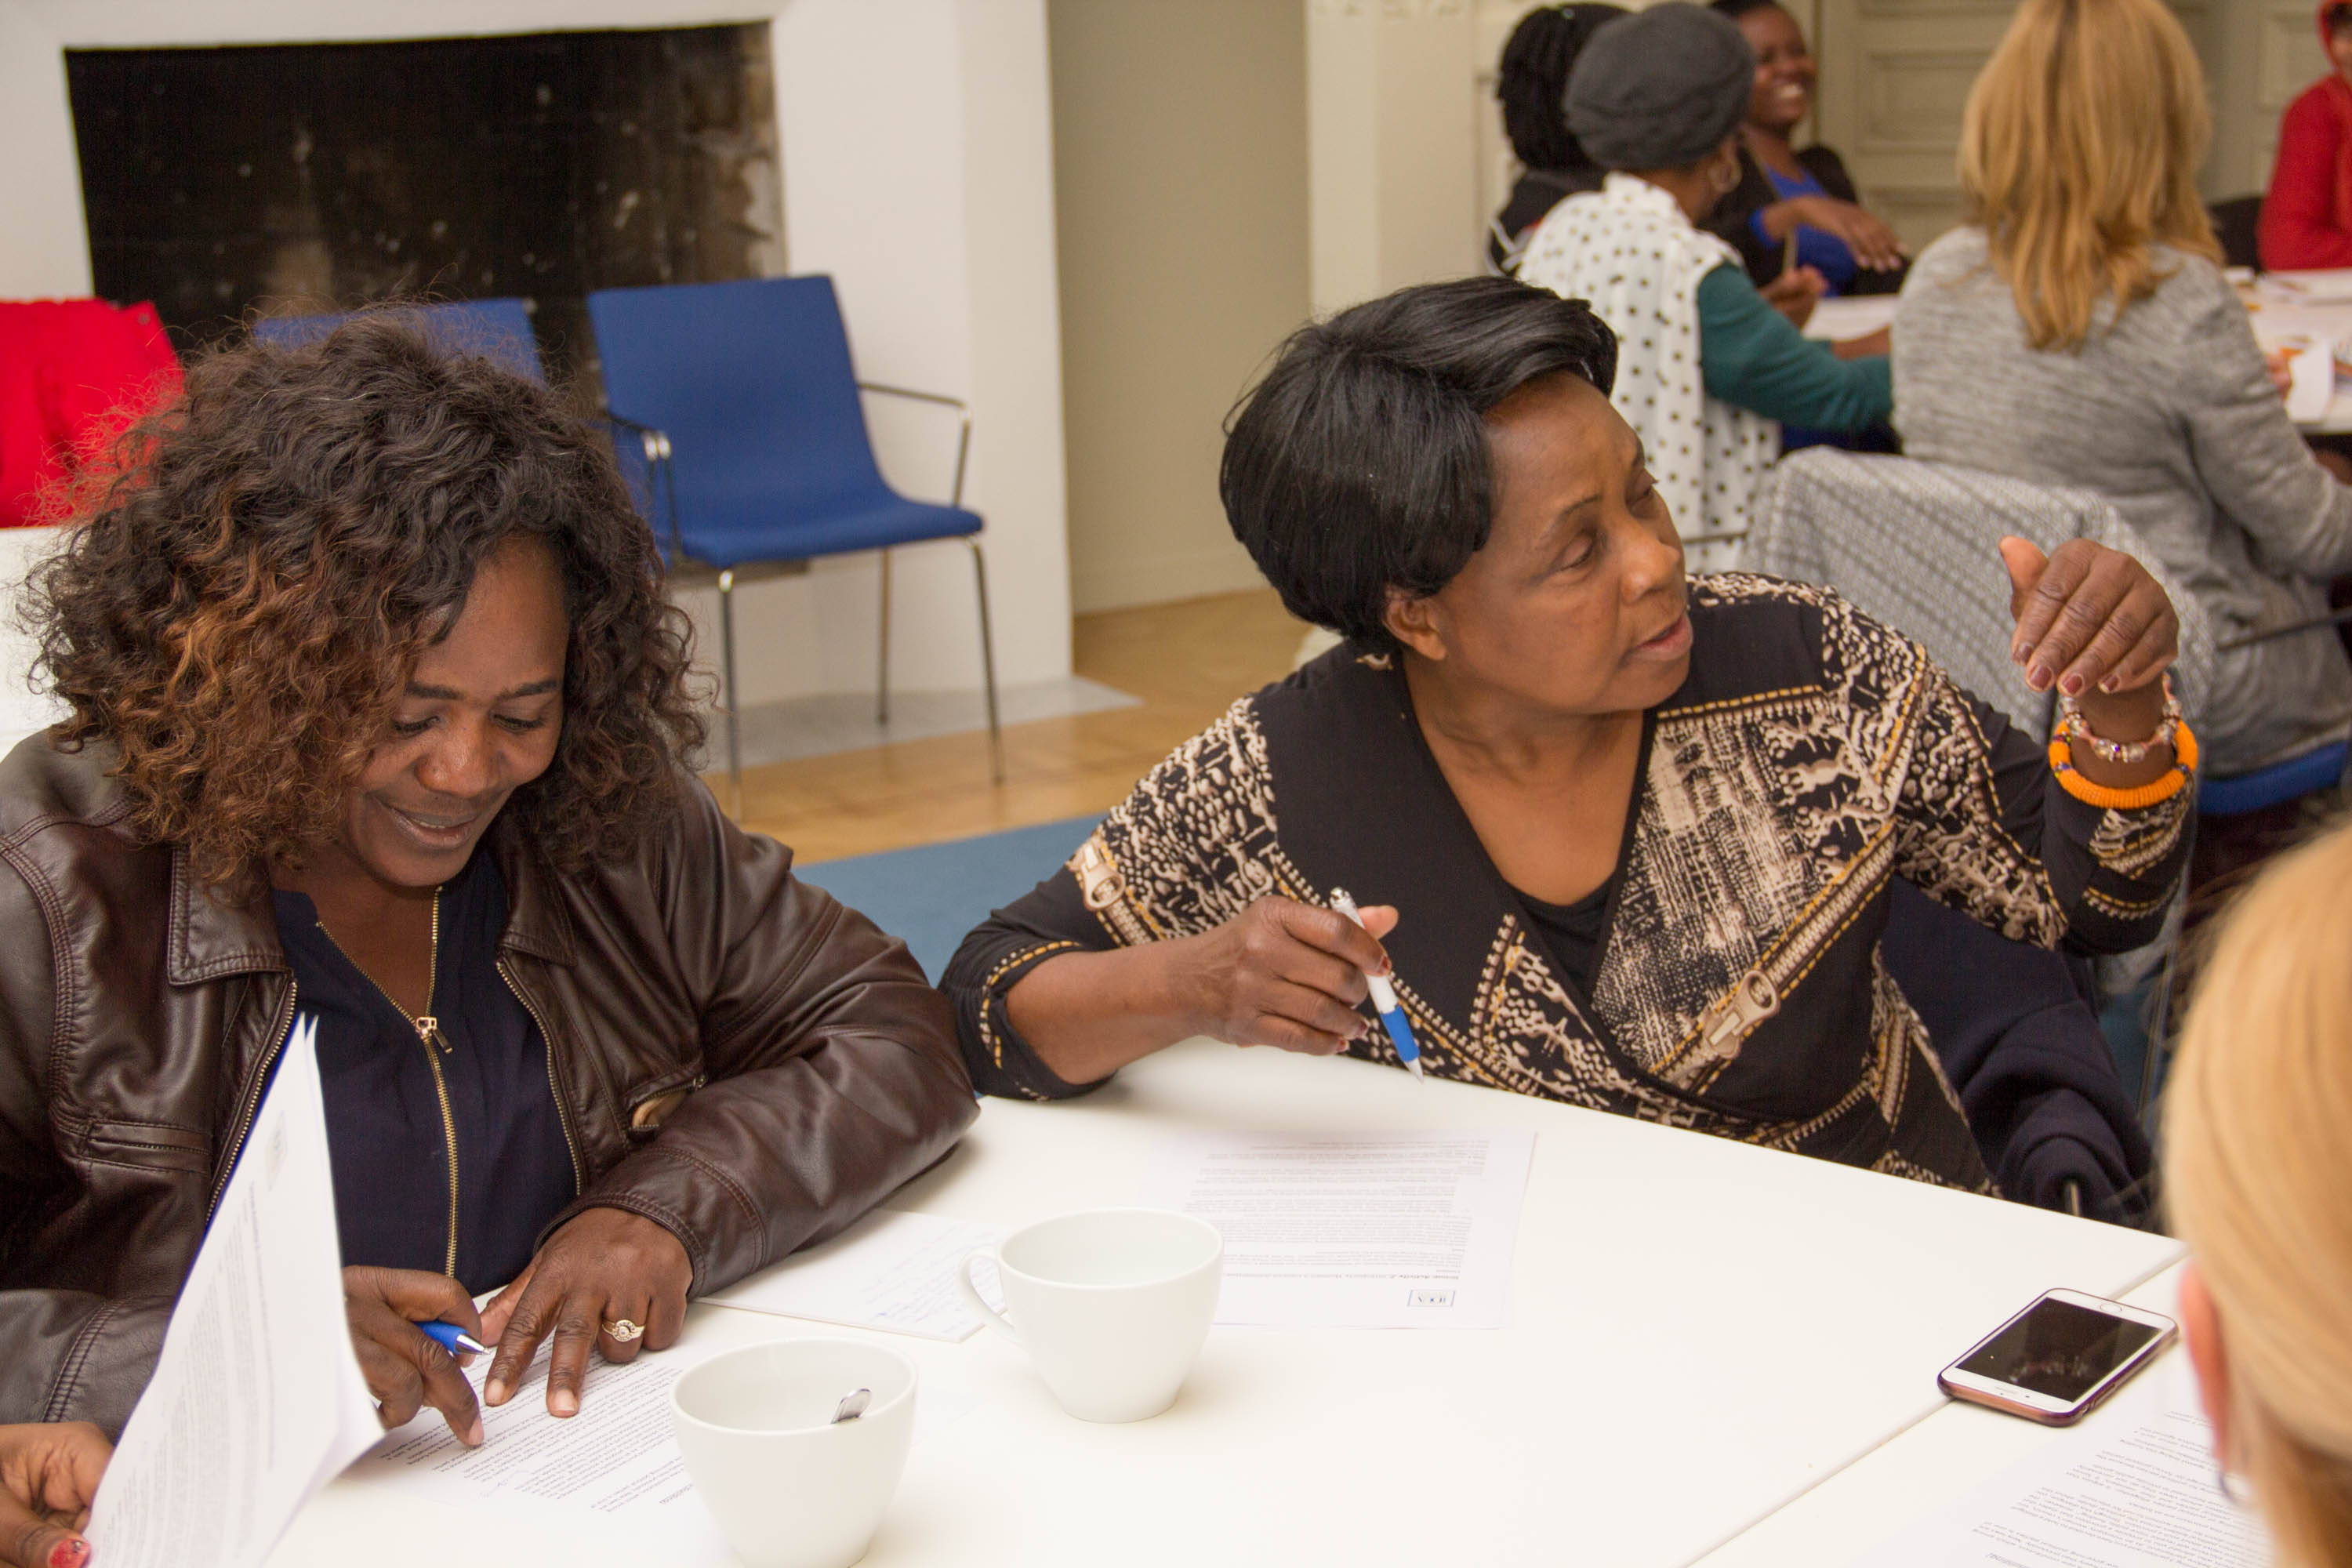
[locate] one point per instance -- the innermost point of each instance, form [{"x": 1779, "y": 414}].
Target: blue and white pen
[
  {"x": 453, "y": 1338},
  {"x": 1384, "y": 996}
]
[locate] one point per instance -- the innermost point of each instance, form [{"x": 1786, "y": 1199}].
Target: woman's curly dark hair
[{"x": 243, "y": 599}]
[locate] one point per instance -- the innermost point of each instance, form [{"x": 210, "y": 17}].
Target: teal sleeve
[{"x": 1750, "y": 357}]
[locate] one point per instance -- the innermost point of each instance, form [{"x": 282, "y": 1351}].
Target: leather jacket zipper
[
  {"x": 252, "y": 1106},
  {"x": 449, "y": 1140},
  {"x": 555, "y": 1089}
]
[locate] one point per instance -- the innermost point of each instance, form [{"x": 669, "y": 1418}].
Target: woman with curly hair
[{"x": 379, "y": 715}]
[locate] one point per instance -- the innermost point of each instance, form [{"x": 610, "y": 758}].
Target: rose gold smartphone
[{"x": 2059, "y": 1357}]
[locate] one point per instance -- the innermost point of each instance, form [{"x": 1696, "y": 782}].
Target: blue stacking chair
[
  {"x": 2298, "y": 775},
  {"x": 743, "y": 396},
  {"x": 498, "y": 329},
  {"x": 2316, "y": 769}
]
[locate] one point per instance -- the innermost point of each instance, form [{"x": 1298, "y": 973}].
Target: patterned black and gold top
[{"x": 1811, "y": 756}]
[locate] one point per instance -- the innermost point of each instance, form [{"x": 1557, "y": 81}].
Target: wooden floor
[{"x": 1187, "y": 662}]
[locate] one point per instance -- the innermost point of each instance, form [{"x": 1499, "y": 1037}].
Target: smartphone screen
[{"x": 2059, "y": 1348}]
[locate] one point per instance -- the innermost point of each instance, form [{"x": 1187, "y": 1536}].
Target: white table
[
  {"x": 1920, "y": 1471},
  {"x": 1702, "y": 1332},
  {"x": 2322, "y": 308}
]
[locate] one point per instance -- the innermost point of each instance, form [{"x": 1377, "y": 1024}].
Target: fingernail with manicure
[
  {"x": 2073, "y": 684},
  {"x": 70, "y": 1553},
  {"x": 2038, "y": 677}
]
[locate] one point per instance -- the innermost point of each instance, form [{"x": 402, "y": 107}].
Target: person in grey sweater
[
  {"x": 2168, "y": 412},
  {"x": 2098, "y": 346}
]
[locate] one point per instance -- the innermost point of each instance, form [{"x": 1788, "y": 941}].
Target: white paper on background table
[
  {"x": 2311, "y": 370},
  {"x": 2137, "y": 1489},
  {"x": 893, "y": 1271},
  {"x": 2332, "y": 286},
  {"x": 1365, "y": 1231},
  {"x": 1850, "y": 316},
  {"x": 256, "y": 1401}
]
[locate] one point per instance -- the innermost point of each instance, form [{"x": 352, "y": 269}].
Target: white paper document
[
  {"x": 1850, "y": 316},
  {"x": 893, "y": 1271},
  {"x": 1366, "y": 1230},
  {"x": 2136, "y": 1489},
  {"x": 617, "y": 1461},
  {"x": 258, "y": 1400}
]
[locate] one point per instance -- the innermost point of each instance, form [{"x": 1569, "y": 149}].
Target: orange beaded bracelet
[{"x": 2184, "y": 767}]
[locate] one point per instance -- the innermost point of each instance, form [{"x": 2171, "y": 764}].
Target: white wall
[
  {"x": 918, "y": 169},
  {"x": 1392, "y": 118},
  {"x": 1180, "y": 190}
]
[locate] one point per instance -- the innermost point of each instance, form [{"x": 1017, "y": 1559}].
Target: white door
[
  {"x": 1895, "y": 75},
  {"x": 2259, "y": 54}
]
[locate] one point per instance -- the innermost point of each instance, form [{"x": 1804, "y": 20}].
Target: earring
[{"x": 2236, "y": 1487}]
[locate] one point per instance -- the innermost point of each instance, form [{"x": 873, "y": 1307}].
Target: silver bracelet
[{"x": 2123, "y": 754}]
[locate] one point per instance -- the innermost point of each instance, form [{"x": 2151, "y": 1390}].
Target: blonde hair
[
  {"x": 2079, "y": 149},
  {"x": 2258, "y": 1151}
]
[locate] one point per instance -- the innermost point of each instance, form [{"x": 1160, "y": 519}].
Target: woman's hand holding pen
[
  {"x": 404, "y": 1369},
  {"x": 48, "y": 1477},
  {"x": 1281, "y": 973},
  {"x": 1285, "y": 973},
  {"x": 604, "y": 1272}
]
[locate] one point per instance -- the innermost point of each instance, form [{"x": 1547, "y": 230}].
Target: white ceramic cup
[
  {"x": 789, "y": 1488},
  {"x": 1111, "y": 1305}
]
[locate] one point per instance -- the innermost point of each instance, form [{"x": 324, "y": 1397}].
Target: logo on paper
[{"x": 1430, "y": 1299}]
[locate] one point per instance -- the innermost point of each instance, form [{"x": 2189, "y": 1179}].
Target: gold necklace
[{"x": 428, "y": 1027}]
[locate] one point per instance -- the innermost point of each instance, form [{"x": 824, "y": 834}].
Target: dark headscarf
[{"x": 1660, "y": 88}]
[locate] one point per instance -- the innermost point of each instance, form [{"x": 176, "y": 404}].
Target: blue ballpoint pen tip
[{"x": 1408, "y": 1049}]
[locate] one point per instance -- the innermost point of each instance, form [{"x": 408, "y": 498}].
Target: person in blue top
[
  {"x": 1710, "y": 365},
  {"x": 1802, "y": 195}
]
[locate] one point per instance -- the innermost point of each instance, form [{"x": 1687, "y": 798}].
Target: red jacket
[
  {"x": 2307, "y": 216},
  {"x": 72, "y": 373}
]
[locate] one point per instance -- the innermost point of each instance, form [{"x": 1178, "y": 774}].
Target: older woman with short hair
[
  {"x": 1628, "y": 837},
  {"x": 379, "y": 715}
]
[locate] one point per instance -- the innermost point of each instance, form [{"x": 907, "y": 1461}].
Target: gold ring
[{"x": 622, "y": 1329}]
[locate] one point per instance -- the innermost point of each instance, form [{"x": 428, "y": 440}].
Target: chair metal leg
[
  {"x": 987, "y": 662},
  {"x": 734, "y": 716},
  {"x": 882, "y": 679}
]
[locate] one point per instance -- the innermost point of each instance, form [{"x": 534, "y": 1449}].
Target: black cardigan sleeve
[
  {"x": 1730, "y": 221},
  {"x": 1050, "y": 920},
  {"x": 1174, "y": 859}
]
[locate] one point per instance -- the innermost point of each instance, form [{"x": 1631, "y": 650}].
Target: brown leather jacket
[{"x": 741, "y": 1059}]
